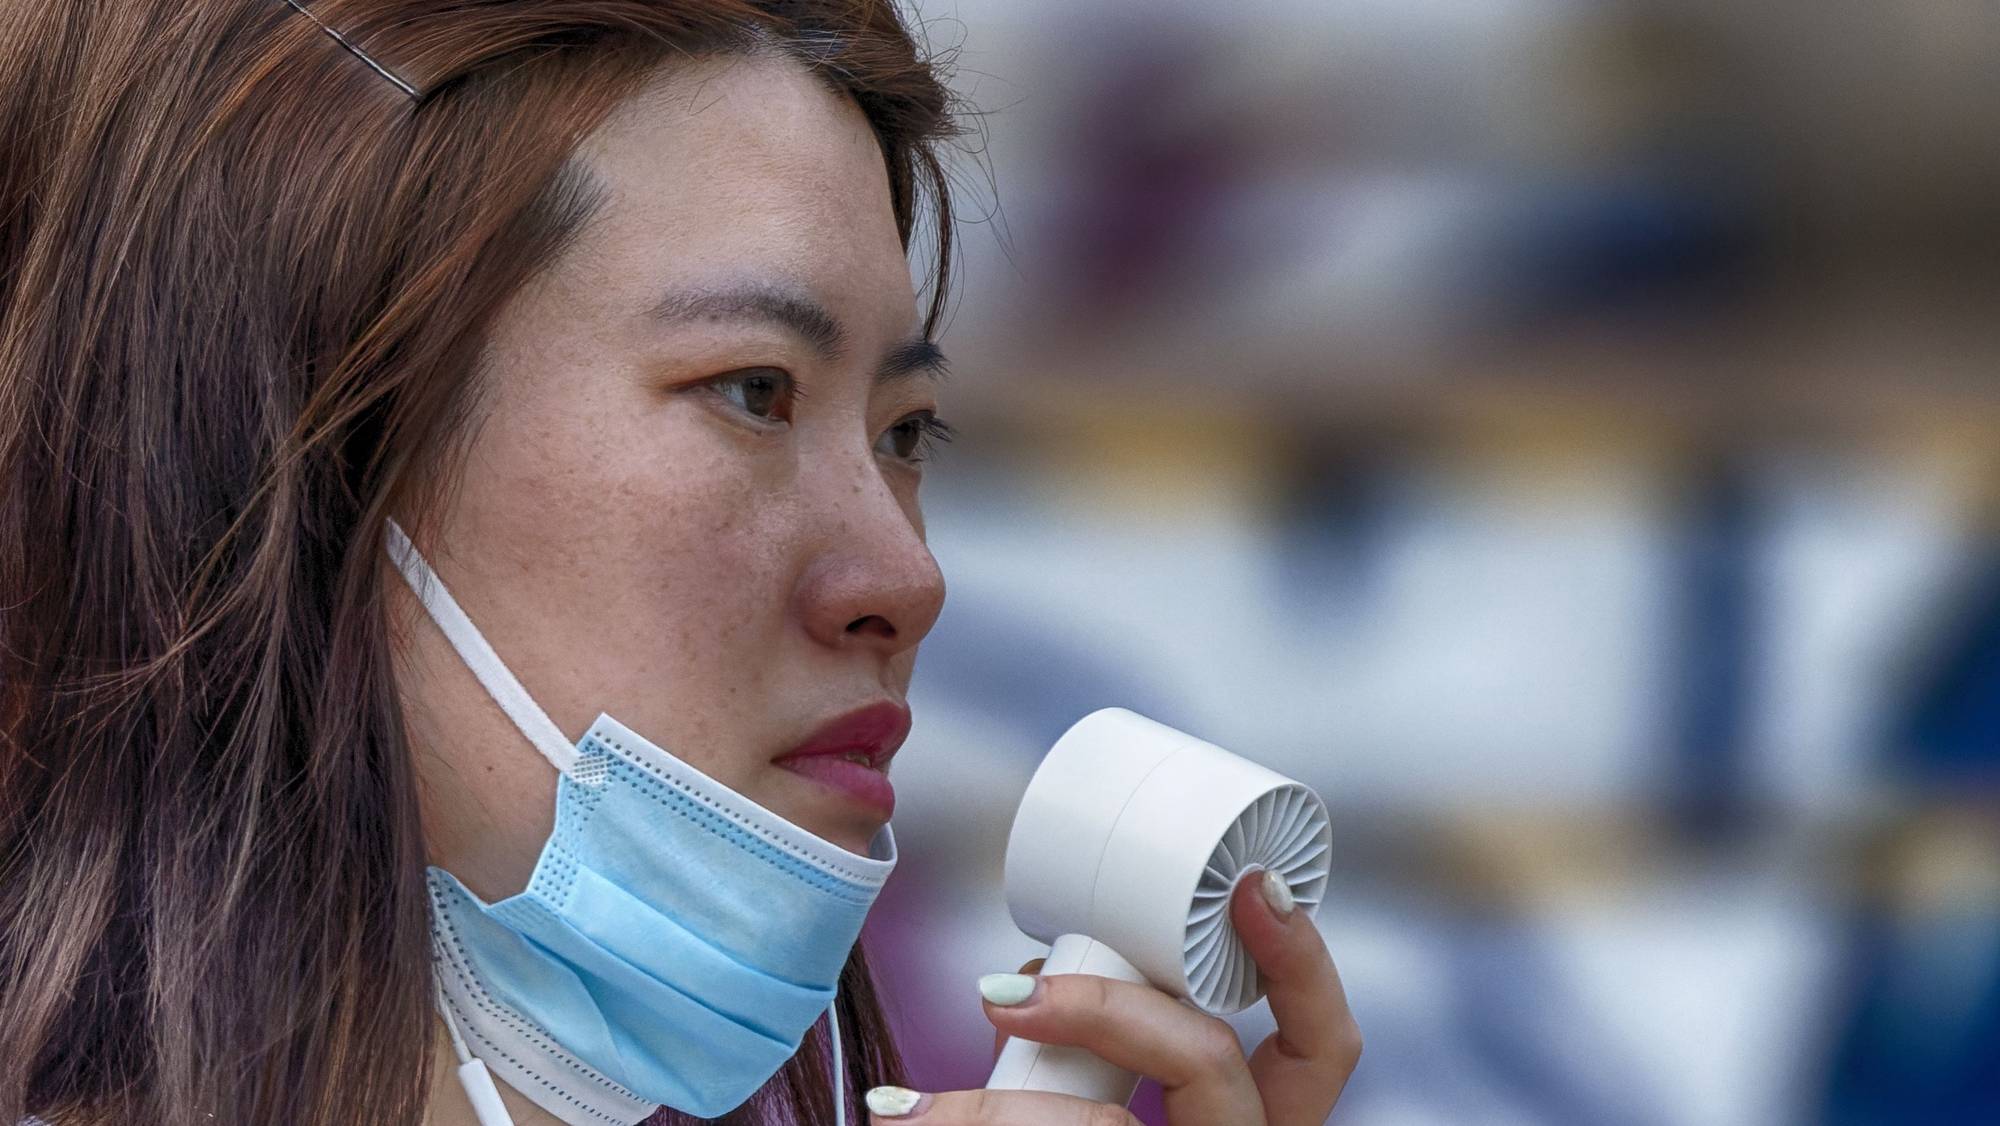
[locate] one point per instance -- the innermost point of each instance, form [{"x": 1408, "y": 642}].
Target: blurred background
[{"x": 1564, "y": 434}]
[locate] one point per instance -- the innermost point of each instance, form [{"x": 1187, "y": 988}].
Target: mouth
[{"x": 849, "y": 755}]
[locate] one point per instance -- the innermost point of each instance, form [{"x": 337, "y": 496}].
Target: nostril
[{"x": 873, "y": 623}]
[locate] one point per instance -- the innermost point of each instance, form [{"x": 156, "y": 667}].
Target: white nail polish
[
  {"x": 1277, "y": 893},
  {"x": 892, "y": 1102},
  {"x": 1006, "y": 989}
]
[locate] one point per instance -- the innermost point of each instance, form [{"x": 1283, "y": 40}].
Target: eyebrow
[
  {"x": 919, "y": 356},
  {"x": 805, "y": 318}
]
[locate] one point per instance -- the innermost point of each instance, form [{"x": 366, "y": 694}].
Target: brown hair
[{"x": 243, "y": 286}]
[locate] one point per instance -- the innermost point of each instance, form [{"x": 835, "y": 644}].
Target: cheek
[
  {"x": 627, "y": 485},
  {"x": 702, "y": 557},
  {"x": 642, "y": 555},
  {"x": 690, "y": 527}
]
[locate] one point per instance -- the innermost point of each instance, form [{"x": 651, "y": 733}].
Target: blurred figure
[{"x": 1921, "y": 1036}]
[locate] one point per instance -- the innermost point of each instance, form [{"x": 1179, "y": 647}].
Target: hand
[{"x": 1293, "y": 1078}]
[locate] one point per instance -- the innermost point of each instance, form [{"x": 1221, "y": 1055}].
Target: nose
[{"x": 872, "y": 582}]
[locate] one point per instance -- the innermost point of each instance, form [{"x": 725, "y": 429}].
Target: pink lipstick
[{"x": 850, "y": 754}]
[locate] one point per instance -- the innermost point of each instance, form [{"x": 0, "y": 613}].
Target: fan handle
[{"x": 1024, "y": 1065}]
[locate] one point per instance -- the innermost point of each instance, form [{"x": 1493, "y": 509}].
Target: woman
[{"x": 395, "y": 389}]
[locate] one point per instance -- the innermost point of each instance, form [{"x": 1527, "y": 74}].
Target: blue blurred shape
[{"x": 1954, "y": 726}]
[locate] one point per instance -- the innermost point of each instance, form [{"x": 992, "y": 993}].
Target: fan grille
[{"x": 1286, "y": 831}]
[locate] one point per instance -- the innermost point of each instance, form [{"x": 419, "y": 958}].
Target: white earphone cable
[
  {"x": 473, "y": 1076},
  {"x": 839, "y": 1071}
]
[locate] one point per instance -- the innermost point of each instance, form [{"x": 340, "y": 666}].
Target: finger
[
  {"x": 990, "y": 1108},
  {"x": 1196, "y": 1058},
  {"x": 1302, "y": 1067},
  {"x": 1031, "y": 966}
]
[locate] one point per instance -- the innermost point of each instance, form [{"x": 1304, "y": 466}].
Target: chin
[
  {"x": 845, "y": 833},
  {"x": 847, "y": 841}
]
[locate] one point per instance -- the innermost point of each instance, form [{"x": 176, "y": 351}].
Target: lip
[{"x": 875, "y": 730}]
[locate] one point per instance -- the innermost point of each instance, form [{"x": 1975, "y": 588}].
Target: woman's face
[{"x": 687, "y": 499}]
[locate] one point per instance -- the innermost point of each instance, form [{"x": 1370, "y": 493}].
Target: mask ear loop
[
  {"x": 532, "y": 721},
  {"x": 473, "y": 1076},
  {"x": 478, "y": 655}
]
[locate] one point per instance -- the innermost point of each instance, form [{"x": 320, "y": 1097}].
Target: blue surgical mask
[{"x": 676, "y": 940}]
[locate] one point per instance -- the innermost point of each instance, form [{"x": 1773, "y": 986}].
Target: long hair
[{"x": 243, "y": 286}]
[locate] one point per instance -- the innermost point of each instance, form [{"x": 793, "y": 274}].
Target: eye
[
  {"x": 915, "y": 438},
  {"x": 766, "y": 393}
]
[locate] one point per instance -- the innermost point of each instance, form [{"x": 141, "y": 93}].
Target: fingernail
[
  {"x": 1278, "y": 894},
  {"x": 1007, "y": 989},
  {"x": 896, "y": 1102}
]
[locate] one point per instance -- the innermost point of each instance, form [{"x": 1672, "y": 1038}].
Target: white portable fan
[{"x": 1129, "y": 840}]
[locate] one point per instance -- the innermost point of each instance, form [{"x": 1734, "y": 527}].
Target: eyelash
[
  {"x": 791, "y": 389},
  {"x": 932, "y": 430}
]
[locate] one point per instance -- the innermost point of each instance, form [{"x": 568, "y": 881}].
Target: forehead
[{"x": 737, "y": 169}]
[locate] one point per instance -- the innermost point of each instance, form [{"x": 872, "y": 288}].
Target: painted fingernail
[
  {"x": 1007, "y": 989},
  {"x": 896, "y": 1102},
  {"x": 1278, "y": 894}
]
